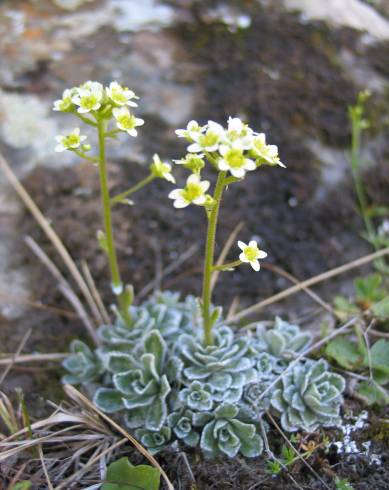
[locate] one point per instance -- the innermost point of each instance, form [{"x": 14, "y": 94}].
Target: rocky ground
[{"x": 290, "y": 68}]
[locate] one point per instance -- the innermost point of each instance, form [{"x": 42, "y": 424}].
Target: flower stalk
[
  {"x": 121, "y": 197},
  {"x": 209, "y": 257},
  {"x": 110, "y": 243}
]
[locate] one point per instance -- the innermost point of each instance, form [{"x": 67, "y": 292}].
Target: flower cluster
[
  {"x": 236, "y": 149},
  {"x": 168, "y": 386},
  {"x": 92, "y": 102}
]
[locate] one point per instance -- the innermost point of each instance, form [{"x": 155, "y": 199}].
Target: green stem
[
  {"x": 111, "y": 250},
  {"x": 86, "y": 120},
  {"x": 355, "y": 164},
  {"x": 86, "y": 157},
  {"x": 110, "y": 134},
  {"x": 209, "y": 255},
  {"x": 133, "y": 189},
  {"x": 226, "y": 267}
]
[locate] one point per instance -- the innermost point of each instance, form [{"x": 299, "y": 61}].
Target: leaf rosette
[
  {"x": 224, "y": 366},
  {"x": 83, "y": 365},
  {"x": 224, "y": 433},
  {"x": 282, "y": 340},
  {"x": 142, "y": 389},
  {"x": 308, "y": 396}
]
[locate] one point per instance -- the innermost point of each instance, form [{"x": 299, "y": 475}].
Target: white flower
[
  {"x": 234, "y": 160},
  {"x": 208, "y": 140},
  {"x": 70, "y": 141},
  {"x": 264, "y": 152},
  {"x": 193, "y": 192},
  {"x": 126, "y": 121},
  {"x": 65, "y": 103},
  {"x": 88, "y": 97},
  {"x": 121, "y": 96},
  {"x": 192, "y": 130},
  {"x": 251, "y": 254},
  {"x": 162, "y": 170},
  {"x": 239, "y": 134}
]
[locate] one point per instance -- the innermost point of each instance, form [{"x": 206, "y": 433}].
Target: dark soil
[{"x": 285, "y": 78}]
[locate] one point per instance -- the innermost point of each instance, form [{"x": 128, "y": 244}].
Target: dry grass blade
[
  {"x": 224, "y": 252},
  {"x": 95, "y": 293},
  {"x": 72, "y": 453},
  {"x": 32, "y": 358},
  {"x": 309, "y": 282},
  {"x": 50, "y": 233},
  {"x": 294, "y": 280},
  {"x": 12, "y": 360},
  {"x": 272, "y": 456},
  {"x": 90, "y": 463},
  {"x": 41, "y": 457},
  {"x": 167, "y": 271},
  {"x": 65, "y": 288},
  {"x": 280, "y": 431},
  {"x": 314, "y": 347},
  {"x": 80, "y": 398},
  {"x": 36, "y": 304},
  {"x": 233, "y": 307}
]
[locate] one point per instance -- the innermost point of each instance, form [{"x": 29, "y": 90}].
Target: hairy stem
[
  {"x": 111, "y": 250},
  {"x": 133, "y": 189},
  {"x": 226, "y": 267},
  {"x": 209, "y": 256}
]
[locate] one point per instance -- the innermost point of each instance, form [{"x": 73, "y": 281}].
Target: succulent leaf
[{"x": 308, "y": 397}]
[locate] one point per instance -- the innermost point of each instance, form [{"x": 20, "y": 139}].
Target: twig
[
  {"x": 51, "y": 234},
  {"x": 377, "y": 333},
  {"x": 80, "y": 398},
  {"x": 16, "y": 359},
  {"x": 272, "y": 456},
  {"x": 225, "y": 250},
  {"x": 315, "y": 346},
  {"x": 278, "y": 428},
  {"x": 65, "y": 288},
  {"x": 309, "y": 282},
  {"x": 95, "y": 292},
  {"x": 18, "y": 351},
  {"x": 188, "y": 467}
]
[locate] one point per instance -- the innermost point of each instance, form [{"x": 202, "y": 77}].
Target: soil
[{"x": 280, "y": 75}]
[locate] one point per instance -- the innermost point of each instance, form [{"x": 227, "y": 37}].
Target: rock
[{"x": 350, "y": 13}]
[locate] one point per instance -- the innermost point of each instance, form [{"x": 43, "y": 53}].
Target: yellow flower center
[{"x": 251, "y": 253}]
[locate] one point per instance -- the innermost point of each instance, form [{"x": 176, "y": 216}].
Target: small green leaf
[
  {"x": 122, "y": 475},
  {"x": 369, "y": 288},
  {"x": 373, "y": 393},
  {"x": 128, "y": 296},
  {"x": 381, "y": 309},
  {"x": 155, "y": 345},
  {"x": 102, "y": 239},
  {"x": 379, "y": 357},
  {"x": 108, "y": 400},
  {"x": 22, "y": 485},
  {"x": 216, "y": 314},
  {"x": 344, "y": 309},
  {"x": 344, "y": 352},
  {"x": 342, "y": 484}
]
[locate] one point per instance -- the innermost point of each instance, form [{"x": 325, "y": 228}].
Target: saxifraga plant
[{"x": 174, "y": 370}]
